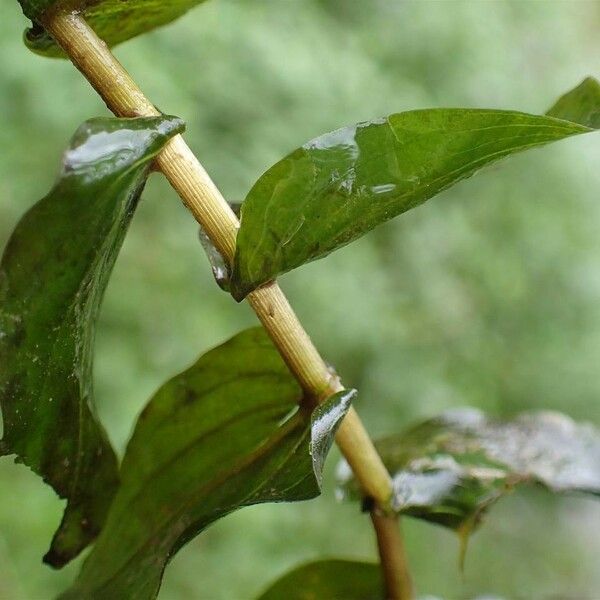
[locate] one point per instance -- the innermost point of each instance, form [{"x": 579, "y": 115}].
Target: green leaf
[
  {"x": 450, "y": 469},
  {"x": 115, "y": 21},
  {"x": 224, "y": 434},
  {"x": 580, "y": 105},
  {"x": 52, "y": 277},
  {"x": 341, "y": 185},
  {"x": 329, "y": 580}
]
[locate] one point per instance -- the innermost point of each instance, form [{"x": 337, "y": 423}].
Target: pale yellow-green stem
[
  {"x": 396, "y": 576},
  {"x": 189, "y": 179}
]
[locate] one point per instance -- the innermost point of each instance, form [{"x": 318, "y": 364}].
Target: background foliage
[{"x": 488, "y": 295}]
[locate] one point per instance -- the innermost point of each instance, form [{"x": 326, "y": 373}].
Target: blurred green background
[{"x": 489, "y": 295}]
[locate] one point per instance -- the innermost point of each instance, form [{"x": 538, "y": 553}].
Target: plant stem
[
  {"x": 189, "y": 179},
  {"x": 397, "y": 580}
]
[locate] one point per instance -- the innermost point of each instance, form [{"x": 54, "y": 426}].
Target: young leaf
[
  {"x": 335, "y": 578},
  {"x": 52, "y": 277},
  {"x": 341, "y": 185},
  {"x": 224, "y": 434},
  {"x": 115, "y": 21},
  {"x": 450, "y": 469},
  {"x": 580, "y": 105}
]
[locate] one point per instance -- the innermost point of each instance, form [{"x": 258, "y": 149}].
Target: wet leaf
[
  {"x": 341, "y": 185},
  {"x": 52, "y": 278},
  {"x": 115, "y": 21},
  {"x": 220, "y": 267},
  {"x": 580, "y": 105},
  {"x": 329, "y": 580},
  {"x": 450, "y": 469},
  {"x": 224, "y": 434}
]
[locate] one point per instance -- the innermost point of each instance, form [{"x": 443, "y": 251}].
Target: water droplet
[
  {"x": 219, "y": 265},
  {"x": 383, "y": 188}
]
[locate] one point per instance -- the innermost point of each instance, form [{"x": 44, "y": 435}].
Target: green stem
[{"x": 396, "y": 576}]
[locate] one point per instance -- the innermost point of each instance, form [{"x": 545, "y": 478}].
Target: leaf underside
[
  {"x": 224, "y": 434},
  {"x": 114, "y": 21},
  {"x": 339, "y": 186},
  {"x": 328, "y": 579},
  {"x": 52, "y": 278},
  {"x": 450, "y": 469}
]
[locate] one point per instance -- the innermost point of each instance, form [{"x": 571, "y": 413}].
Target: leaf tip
[
  {"x": 170, "y": 125},
  {"x": 325, "y": 422},
  {"x": 74, "y": 534},
  {"x": 581, "y": 105},
  {"x": 464, "y": 535}
]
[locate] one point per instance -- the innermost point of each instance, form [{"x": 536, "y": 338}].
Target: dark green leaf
[
  {"x": 339, "y": 186},
  {"x": 115, "y": 21},
  {"x": 329, "y": 580},
  {"x": 224, "y": 434},
  {"x": 450, "y": 469},
  {"x": 52, "y": 278},
  {"x": 580, "y": 105}
]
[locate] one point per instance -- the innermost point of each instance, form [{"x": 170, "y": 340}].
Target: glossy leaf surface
[
  {"x": 450, "y": 469},
  {"x": 52, "y": 278},
  {"x": 339, "y": 186},
  {"x": 580, "y": 105},
  {"x": 115, "y": 21},
  {"x": 224, "y": 434},
  {"x": 328, "y": 580}
]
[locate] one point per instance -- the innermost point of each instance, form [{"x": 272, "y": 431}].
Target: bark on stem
[{"x": 189, "y": 179}]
